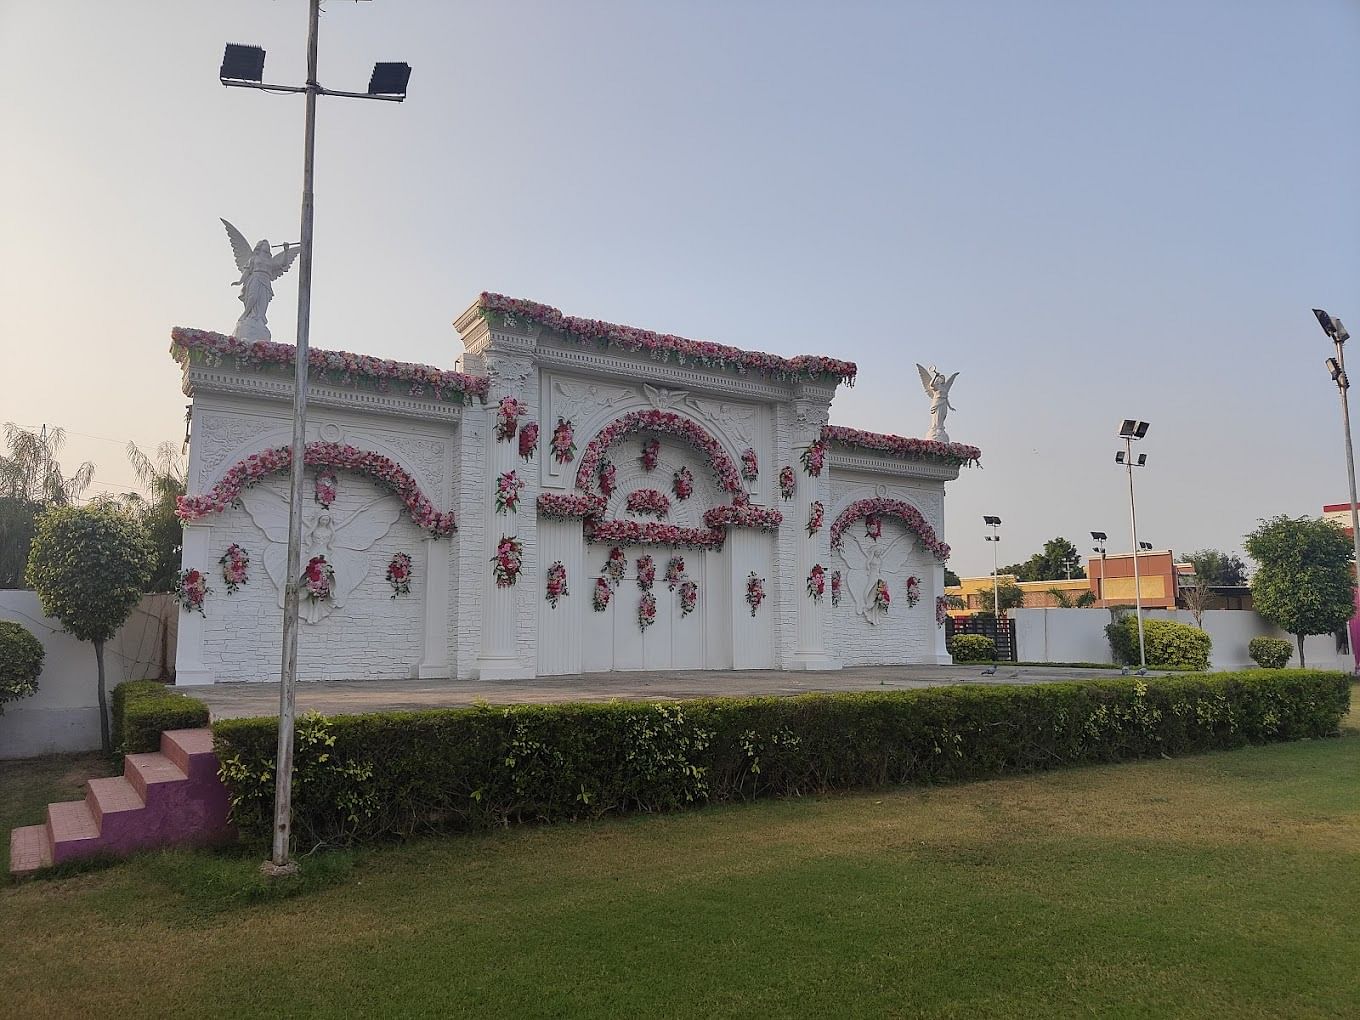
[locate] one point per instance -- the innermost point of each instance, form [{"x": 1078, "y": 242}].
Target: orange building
[{"x": 1108, "y": 578}]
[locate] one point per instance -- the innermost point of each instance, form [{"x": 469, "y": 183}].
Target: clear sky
[{"x": 1092, "y": 210}]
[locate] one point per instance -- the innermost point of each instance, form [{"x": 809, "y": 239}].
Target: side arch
[{"x": 883, "y": 507}]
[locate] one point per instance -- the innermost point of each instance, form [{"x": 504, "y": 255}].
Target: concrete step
[
  {"x": 109, "y": 797},
  {"x": 146, "y": 772},
  {"x": 190, "y": 750},
  {"x": 72, "y": 830},
  {"x": 29, "y": 850}
]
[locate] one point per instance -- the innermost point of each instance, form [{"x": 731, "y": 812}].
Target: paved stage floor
[{"x": 341, "y": 697}]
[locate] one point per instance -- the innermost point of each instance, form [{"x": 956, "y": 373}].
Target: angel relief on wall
[
  {"x": 343, "y": 539},
  {"x": 867, "y": 561}
]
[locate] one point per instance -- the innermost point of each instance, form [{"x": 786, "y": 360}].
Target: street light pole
[
  {"x": 1337, "y": 366},
  {"x": 1129, "y": 431},
  {"x": 1102, "y": 538}
]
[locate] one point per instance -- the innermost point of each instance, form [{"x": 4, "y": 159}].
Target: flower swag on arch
[
  {"x": 724, "y": 468},
  {"x": 881, "y": 507}
]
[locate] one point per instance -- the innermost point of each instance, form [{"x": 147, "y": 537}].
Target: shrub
[
  {"x": 1270, "y": 652},
  {"x": 21, "y": 660},
  {"x": 972, "y": 648},
  {"x": 143, "y": 709},
  {"x": 395, "y": 774},
  {"x": 1170, "y": 644}
]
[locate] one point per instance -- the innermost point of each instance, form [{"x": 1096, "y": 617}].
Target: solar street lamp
[
  {"x": 1336, "y": 368},
  {"x": 995, "y": 538},
  {"x": 1129, "y": 431},
  {"x": 1100, "y": 538}
]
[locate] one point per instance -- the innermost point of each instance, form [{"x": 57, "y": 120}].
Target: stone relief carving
[
  {"x": 218, "y": 436},
  {"x": 810, "y": 417},
  {"x": 424, "y": 455},
  {"x": 509, "y": 375},
  {"x": 866, "y": 561},
  {"x": 662, "y": 400},
  {"x": 736, "y": 420},
  {"x": 686, "y": 513},
  {"x": 580, "y": 404}
]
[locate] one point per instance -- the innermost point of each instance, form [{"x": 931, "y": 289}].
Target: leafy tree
[
  {"x": 89, "y": 566},
  {"x": 31, "y": 479},
  {"x": 164, "y": 479},
  {"x": 1058, "y": 556},
  {"x": 1065, "y": 599},
  {"x": 951, "y": 579},
  {"x": 1303, "y": 582},
  {"x": 1217, "y": 568},
  {"x": 1010, "y": 595}
]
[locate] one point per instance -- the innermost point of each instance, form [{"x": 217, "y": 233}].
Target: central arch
[{"x": 724, "y": 468}]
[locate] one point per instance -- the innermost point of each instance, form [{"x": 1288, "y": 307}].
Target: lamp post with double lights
[
  {"x": 1100, "y": 538},
  {"x": 995, "y": 538},
  {"x": 1337, "y": 368},
  {"x": 1129, "y": 431}
]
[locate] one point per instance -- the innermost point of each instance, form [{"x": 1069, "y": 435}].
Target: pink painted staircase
[{"x": 171, "y": 797}]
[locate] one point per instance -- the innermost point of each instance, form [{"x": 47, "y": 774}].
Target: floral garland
[
  {"x": 750, "y": 466},
  {"x": 569, "y": 506},
  {"x": 787, "y": 482},
  {"x": 651, "y": 533},
  {"x": 608, "y": 477},
  {"x": 332, "y": 368},
  {"x": 873, "y": 527},
  {"x": 399, "y": 574},
  {"x": 904, "y": 511},
  {"x": 258, "y": 466},
  {"x": 557, "y": 583},
  {"x": 615, "y": 565},
  {"x": 675, "y": 571},
  {"x": 600, "y": 596},
  {"x": 508, "y": 487},
  {"x": 508, "y": 413},
  {"x": 743, "y": 516},
  {"x": 816, "y": 582},
  {"x": 667, "y": 347},
  {"x": 913, "y": 591},
  {"x": 901, "y": 446},
  {"x": 508, "y": 561},
  {"x": 689, "y": 597},
  {"x": 755, "y": 591},
  {"x": 666, "y": 422},
  {"x": 528, "y": 440},
  {"x": 651, "y": 454},
  {"x": 648, "y": 501},
  {"x": 318, "y": 578},
  {"x": 326, "y": 488},
  {"x": 646, "y": 610},
  {"x": 563, "y": 442},
  {"x": 191, "y": 589},
  {"x": 816, "y": 513},
  {"x": 682, "y": 483},
  {"x": 882, "y": 597},
  {"x": 814, "y": 458},
  {"x": 646, "y": 572},
  {"x": 235, "y": 567},
  {"x": 941, "y": 610},
  {"x": 835, "y": 587}
]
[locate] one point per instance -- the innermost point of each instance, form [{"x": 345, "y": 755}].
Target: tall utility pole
[
  {"x": 243, "y": 66},
  {"x": 995, "y": 538},
  {"x": 1129, "y": 431},
  {"x": 1337, "y": 367}
]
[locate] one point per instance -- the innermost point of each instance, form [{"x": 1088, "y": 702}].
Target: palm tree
[
  {"x": 30, "y": 481},
  {"x": 164, "y": 479},
  {"x": 1065, "y": 600}
]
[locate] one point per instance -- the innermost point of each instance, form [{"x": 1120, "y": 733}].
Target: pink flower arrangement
[
  {"x": 258, "y": 466},
  {"x": 646, "y": 610},
  {"x": 326, "y": 487},
  {"x": 399, "y": 574},
  {"x": 835, "y": 587},
  {"x": 608, "y": 477},
  {"x": 750, "y": 467},
  {"x": 330, "y": 368},
  {"x": 557, "y": 583},
  {"x": 528, "y": 440},
  {"x": 508, "y": 413},
  {"x": 648, "y": 501},
  {"x": 900, "y": 509},
  {"x": 615, "y": 565},
  {"x": 743, "y": 515},
  {"x": 787, "y": 482},
  {"x": 669, "y": 423},
  {"x": 651, "y": 533},
  {"x": 873, "y": 527},
  {"x": 600, "y": 596},
  {"x": 675, "y": 571},
  {"x": 816, "y": 513},
  {"x": 901, "y": 446},
  {"x": 569, "y": 506},
  {"x": 941, "y": 610},
  {"x": 682, "y": 483},
  {"x": 646, "y": 572},
  {"x": 913, "y": 591},
  {"x": 814, "y": 458},
  {"x": 882, "y": 597},
  {"x": 192, "y": 590},
  {"x": 508, "y": 487},
  {"x": 689, "y": 597},
  {"x": 508, "y": 561},
  {"x": 816, "y": 582},
  {"x": 235, "y": 567},
  {"x": 666, "y": 347},
  {"x": 755, "y": 591},
  {"x": 563, "y": 442},
  {"x": 651, "y": 454},
  {"x": 318, "y": 579}
]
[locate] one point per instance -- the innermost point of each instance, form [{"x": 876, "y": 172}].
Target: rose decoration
[
  {"x": 648, "y": 501},
  {"x": 913, "y": 591},
  {"x": 675, "y": 571},
  {"x": 787, "y": 482},
  {"x": 652, "y": 533},
  {"x": 646, "y": 610},
  {"x": 941, "y": 610},
  {"x": 900, "y": 446},
  {"x": 615, "y": 565},
  {"x": 326, "y": 487},
  {"x": 750, "y": 467},
  {"x": 651, "y": 453},
  {"x": 399, "y": 574},
  {"x": 235, "y": 564},
  {"x": 814, "y": 458},
  {"x": 816, "y": 582},
  {"x": 508, "y": 487},
  {"x": 815, "y": 513},
  {"x": 669, "y": 423},
  {"x": 192, "y": 591},
  {"x": 743, "y": 516},
  {"x": 557, "y": 583},
  {"x": 569, "y": 506},
  {"x": 528, "y": 440},
  {"x": 682, "y": 483},
  {"x": 600, "y": 596},
  {"x": 508, "y": 561},
  {"x": 882, "y": 597},
  {"x": 873, "y": 527},
  {"x": 755, "y": 591},
  {"x": 608, "y": 478},
  {"x": 689, "y": 597},
  {"x": 646, "y": 572},
  {"x": 318, "y": 579},
  {"x": 835, "y": 587},
  {"x": 508, "y": 413},
  {"x": 880, "y": 507},
  {"x": 563, "y": 442}
]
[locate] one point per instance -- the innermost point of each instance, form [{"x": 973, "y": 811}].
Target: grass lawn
[{"x": 1220, "y": 885}]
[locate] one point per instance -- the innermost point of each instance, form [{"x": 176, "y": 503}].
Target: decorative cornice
[
  {"x": 883, "y": 464},
  {"x": 200, "y": 378},
  {"x": 637, "y": 368}
]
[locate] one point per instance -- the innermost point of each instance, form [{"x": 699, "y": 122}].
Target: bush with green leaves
[
  {"x": 397, "y": 774},
  {"x": 21, "y": 661},
  {"x": 144, "y": 709},
  {"x": 1169, "y": 644},
  {"x": 972, "y": 648},
  {"x": 1270, "y": 652}
]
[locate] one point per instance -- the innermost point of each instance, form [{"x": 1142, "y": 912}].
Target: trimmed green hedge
[
  {"x": 142, "y": 709},
  {"x": 1168, "y": 643},
  {"x": 394, "y": 774},
  {"x": 21, "y": 661},
  {"x": 972, "y": 648},
  {"x": 1270, "y": 652}
]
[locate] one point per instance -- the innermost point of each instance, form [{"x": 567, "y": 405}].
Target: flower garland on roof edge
[
  {"x": 903, "y": 446},
  {"x": 881, "y": 507}
]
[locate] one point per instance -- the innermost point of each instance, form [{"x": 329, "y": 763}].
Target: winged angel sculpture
[
  {"x": 344, "y": 541},
  {"x": 871, "y": 561},
  {"x": 937, "y": 389},
  {"x": 259, "y": 269}
]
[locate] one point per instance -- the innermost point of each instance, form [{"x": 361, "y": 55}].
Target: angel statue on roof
[
  {"x": 259, "y": 269},
  {"x": 937, "y": 389}
]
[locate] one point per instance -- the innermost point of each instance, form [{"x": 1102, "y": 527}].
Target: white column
[
  {"x": 434, "y": 662},
  {"x": 499, "y": 658},
  {"x": 190, "y": 669},
  {"x": 942, "y": 656},
  {"x": 811, "y": 651}
]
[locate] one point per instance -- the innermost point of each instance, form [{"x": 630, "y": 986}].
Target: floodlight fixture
[
  {"x": 1334, "y": 367},
  {"x": 1100, "y": 536},
  {"x": 1332, "y": 327},
  {"x": 1119, "y": 456},
  {"x": 1131, "y": 429},
  {"x": 991, "y": 521},
  {"x": 242, "y": 63},
  {"x": 1142, "y": 460},
  {"x": 389, "y": 80},
  {"x": 1144, "y": 545}
]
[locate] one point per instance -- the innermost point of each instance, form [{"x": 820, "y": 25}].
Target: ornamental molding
[
  {"x": 217, "y": 435},
  {"x": 198, "y": 379},
  {"x": 886, "y": 465},
  {"x": 509, "y": 375},
  {"x": 638, "y": 369},
  {"x": 737, "y": 421}
]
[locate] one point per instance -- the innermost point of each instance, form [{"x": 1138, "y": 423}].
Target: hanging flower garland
[
  {"x": 835, "y": 587},
  {"x": 508, "y": 561},
  {"x": 814, "y": 458},
  {"x": 651, "y": 454},
  {"x": 528, "y": 440},
  {"x": 563, "y": 442},
  {"x": 873, "y": 527},
  {"x": 689, "y": 597},
  {"x": 652, "y": 533},
  {"x": 941, "y": 610},
  {"x": 508, "y": 487},
  {"x": 900, "y": 446},
  {"x": 615, "y": 565},
  {"x": 787, "y": 482},
  {"x": 399, "y": 574},
  {"x": 326, "y": 487},
  {"x": 750, "y": 466},
  {"x": 882, "y": 597},
  {"x": 815, "y": 514},
  {"x": 646, "y": 610},
  {"x": 880, "y": 507},
  {"x": 192, "y": 590},
  {"x": 682, "y": 483},
  {"x": 600, "y": 596},
  {"x": 648, "y": 501},
  {"x": 816, "y": 582},
  {"x": 557, "y": 583},
  {"x": 675, "y": 571},
  {"x": 646, "y": 572},
  {"x": 668, "y": 423},
  {"x": 318, "y": 578},
  {"x": 569, "y": 506},
  {"x": 913, "y": 591},
  {"x": 608, "y": 478},
  {"x": 755, "y": 591},
  {"x": 743, "y": 516},
  {"x": 235, "y": 567},
  {"x": 508, "y": 413}
]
